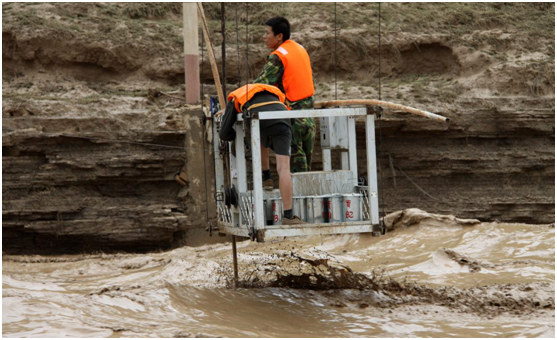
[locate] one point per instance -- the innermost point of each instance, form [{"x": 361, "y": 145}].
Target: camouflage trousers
[{"x": 303, "y": 135}]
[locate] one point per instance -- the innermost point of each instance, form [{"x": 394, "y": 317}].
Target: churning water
[{"x": 427, "y": 280}]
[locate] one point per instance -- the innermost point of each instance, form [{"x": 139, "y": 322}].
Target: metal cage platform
[{"x": 330, "y": 201}]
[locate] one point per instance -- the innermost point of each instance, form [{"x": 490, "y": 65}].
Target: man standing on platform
[{"x": 289, "y": 68}]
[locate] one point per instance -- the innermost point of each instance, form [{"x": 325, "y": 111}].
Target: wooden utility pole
[{"x": 191, "y": 52}]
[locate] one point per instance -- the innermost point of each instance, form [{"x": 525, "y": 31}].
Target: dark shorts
[{"x": 277, "y": 137}]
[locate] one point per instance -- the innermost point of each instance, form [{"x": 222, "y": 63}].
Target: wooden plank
[
  {"x": 212, "y": 58},
  {"x": 381, "y": 103}
]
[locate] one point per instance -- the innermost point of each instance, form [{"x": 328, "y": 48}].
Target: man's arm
[{"x": 272, "y": 72}]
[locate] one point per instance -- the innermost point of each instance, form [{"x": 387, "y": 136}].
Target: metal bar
[
  {"x": 306, "y": 229},
  {"x": 234, "y": 211},
  {"x": 232, "y": 164},
  {"x": 219, "y": 163},
  {"x": 316, "y": 229},
  {"x": 326, "y": 155},
  {"x": 257, "y": 176},
  {"x": 340, "y": 132},
  {"x": 345, "y": 160},
  {"x": 372, "y": 169},
  {"x": 342, "y": 112},
  {"x": 235, "y": 261},
  {"x": 318, "y": 225},
  {"x": 242, "y": 232},
  {"x": 352, "y": 149},
  {"x": 241, "y": 159}
]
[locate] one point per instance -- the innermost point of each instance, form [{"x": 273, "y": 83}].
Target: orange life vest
[
  {"x": 297, "y": 79},
  {"x": 243, "y": 94}
]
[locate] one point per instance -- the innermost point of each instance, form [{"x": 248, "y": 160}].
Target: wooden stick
[
  {"x": 212, "y": 58},
  {"x": 373, "y": 102}
]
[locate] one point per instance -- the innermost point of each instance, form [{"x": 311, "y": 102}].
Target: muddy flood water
[{"x": 434, "y": 276}]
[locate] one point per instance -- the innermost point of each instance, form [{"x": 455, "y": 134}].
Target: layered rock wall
[
  {"x": 495, "y": 164},
  {"x": 83, "y": 184}
]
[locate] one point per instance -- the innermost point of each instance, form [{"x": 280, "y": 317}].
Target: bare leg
[
  {"x": 265, "y": 158},
  {"x": 285, "y": 180}
]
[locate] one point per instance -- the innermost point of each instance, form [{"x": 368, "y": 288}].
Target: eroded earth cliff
[{"x": 94, "y": 125}]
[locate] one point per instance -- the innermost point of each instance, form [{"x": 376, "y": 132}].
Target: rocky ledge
[{"x": 93, "y": 183}]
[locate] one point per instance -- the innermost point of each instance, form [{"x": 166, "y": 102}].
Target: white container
[
  {"x": 299, "y": 207},
  {"x": 268, "y": 212},
  {"x": 334, "y": 209},
  {"x": 352, "y": 207},
  {"x": 276, "y": 210},
  {"x": 315, "y": 208}
]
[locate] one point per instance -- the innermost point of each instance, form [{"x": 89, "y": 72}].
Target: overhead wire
[
  {"x": 381, "y": 155},
  {"x": 336, "y": 97},
  {"x": 247, "y": 47},
  {"x": 238, "y": 46},
  {"x": 204, "y": 136},
  {"x": 223, "y": 47},
  {"x": 379, "y": 45}
]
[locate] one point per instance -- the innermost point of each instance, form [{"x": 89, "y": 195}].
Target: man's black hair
[{"x": 280, "y": 25}]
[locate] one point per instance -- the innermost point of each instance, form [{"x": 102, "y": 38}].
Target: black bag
[{"x": 229, "y": 117}]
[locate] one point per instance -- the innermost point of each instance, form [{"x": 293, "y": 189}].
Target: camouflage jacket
[{"x": 272, "y": 75}]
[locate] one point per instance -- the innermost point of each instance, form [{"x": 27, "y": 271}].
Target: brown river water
[{"x": 433, "y": 277}]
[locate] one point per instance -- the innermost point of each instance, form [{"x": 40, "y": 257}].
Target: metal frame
[{"x": 246, "y": 222}]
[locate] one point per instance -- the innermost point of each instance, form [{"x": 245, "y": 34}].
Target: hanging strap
[{"x": 265, "y": 103}]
